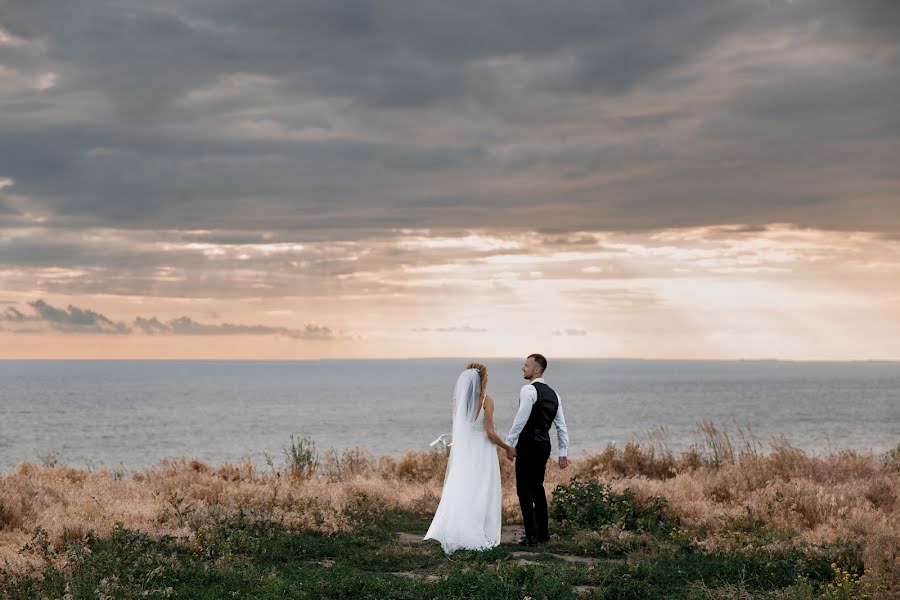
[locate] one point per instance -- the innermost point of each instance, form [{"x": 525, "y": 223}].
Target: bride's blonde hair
[{"x": 482, "y": 374}]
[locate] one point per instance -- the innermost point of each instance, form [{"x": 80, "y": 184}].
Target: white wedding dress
[{"x": 468, "y": 516}]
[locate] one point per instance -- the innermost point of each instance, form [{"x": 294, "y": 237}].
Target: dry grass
[{"x": 843, "y": 497}]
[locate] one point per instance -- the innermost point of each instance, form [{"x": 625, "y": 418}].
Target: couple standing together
[{"x": 468, "y": 516}]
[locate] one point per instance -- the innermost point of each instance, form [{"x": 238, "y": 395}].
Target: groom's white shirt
[{"x": 527, "y": 398}]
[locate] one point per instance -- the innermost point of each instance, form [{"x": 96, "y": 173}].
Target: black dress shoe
[
  {"x": 542, "y": 540},
  {"x": 528, "y": 541}
]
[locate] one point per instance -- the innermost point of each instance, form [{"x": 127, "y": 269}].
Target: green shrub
[
  {"x": 302, "y": 459},
  {"x": 844, "y": 585},
  {"x": 591, "y": 504}
]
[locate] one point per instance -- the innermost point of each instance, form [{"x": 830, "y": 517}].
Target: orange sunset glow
[{"x": 713, "y": 292}]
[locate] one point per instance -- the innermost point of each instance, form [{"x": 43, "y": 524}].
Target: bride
[{"x": 468, "y": 516}]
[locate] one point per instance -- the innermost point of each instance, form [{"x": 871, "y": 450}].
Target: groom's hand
[
  {"x": 511, "y": 453},
  {"x": 563, "y": 462}
]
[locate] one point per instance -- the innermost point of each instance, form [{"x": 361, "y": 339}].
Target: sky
[{"x": 299, "y": 179}]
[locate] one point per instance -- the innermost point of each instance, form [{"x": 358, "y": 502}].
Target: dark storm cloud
[
  {"x": 187, "y": 326},
  {"x": 80, "y": 320},
  {"x": 337, "y": 116},
  {"x": 386, "y": 54},
  {"x": 5, "y": 209},
  {"x": 74, "y": 320},
  {"x": 13, "y": 315},
  {"x": 149, "y": 182}
]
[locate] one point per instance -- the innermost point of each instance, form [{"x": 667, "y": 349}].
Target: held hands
[
  {"x": 511, "y": 453},
  {"x": 563, "y": 462}
]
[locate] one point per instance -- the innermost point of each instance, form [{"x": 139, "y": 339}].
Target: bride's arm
[{"x": 489, "y": 425}]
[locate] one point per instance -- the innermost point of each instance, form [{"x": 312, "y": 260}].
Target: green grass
[{"x": 246, "y": 556}]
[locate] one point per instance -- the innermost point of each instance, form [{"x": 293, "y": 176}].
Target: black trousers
[{"x": 531, "y": 464}]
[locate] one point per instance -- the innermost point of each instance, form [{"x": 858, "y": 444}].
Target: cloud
[
  {"x": 344, "y": 118},
  {"x": 570, "y": 332},
  {"x": 152, "y": 325},
  {"x": 78, "y": 320},
  {"x": 619, "y": 299},
  {"x": 187, "y": 326},
  {"x": 6, "y": 207},
  {"x": 386, "y": 55},
  {"x": 458, "y": 329},
  {"x": 423, "y": 266},
  {"x": 74, "y": 319},
  {"x": 13, "y": 315}
]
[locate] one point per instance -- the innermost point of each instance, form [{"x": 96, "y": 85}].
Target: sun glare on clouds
[{"x": 779, "y": 292}]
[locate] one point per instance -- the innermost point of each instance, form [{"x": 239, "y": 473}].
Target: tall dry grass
[{"x": 845, "y": 497}]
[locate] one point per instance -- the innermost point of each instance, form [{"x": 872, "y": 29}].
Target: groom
[{"x": 539, "y": 407}]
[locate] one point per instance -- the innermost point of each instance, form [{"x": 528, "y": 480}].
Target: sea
[{"x": 127, "y": 415}]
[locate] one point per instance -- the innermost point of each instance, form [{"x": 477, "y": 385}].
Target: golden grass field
[{"x": 842, "y": 497}]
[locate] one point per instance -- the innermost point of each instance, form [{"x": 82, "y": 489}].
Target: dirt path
[{"x": 509, "y": 534}]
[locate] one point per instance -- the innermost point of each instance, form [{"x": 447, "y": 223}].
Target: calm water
[{"x": 131, "y": 413}]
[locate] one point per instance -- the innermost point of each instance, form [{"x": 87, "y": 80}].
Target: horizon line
[{"x": 462, "y": 358}]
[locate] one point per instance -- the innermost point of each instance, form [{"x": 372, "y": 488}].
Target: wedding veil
[{"x": 466, "y": 399}]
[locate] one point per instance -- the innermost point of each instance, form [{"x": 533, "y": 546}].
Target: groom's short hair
[{"x": 539, "y": 359}]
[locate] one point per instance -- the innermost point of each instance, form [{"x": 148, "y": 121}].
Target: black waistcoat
[{"x": 537, "y": 429}]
